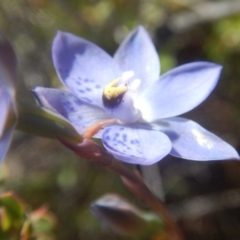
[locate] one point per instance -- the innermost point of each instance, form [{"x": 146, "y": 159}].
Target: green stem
[{"x": 34, "y": 119}]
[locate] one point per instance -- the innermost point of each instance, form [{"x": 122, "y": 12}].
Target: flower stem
[
  {"x": 91, "y": 151},
  {"x": 138, "y": 187}
]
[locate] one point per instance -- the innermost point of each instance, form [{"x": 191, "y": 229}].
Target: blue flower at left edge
[
  {"x": 8, "y": 81},
  {"x": 135, "y": 109}
]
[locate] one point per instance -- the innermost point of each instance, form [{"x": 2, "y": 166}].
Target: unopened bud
[{"x": 124, "y": 218}]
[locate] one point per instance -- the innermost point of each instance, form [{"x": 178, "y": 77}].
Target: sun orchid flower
[{"x": 125, "y": 97}]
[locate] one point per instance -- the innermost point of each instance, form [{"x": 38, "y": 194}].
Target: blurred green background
[{"x": 203, "y": 196}]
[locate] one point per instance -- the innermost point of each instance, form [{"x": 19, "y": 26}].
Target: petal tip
[
  {"x": 140, "y": 30},
  {"x": 235, "y": 155},
  {"x": 210, "y": 65},
  {"x": 60, "y": 35}
]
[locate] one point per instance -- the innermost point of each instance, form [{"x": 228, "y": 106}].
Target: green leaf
[
  {"x": 12, "y": 205},
  {"x": 5, "y": 220}
]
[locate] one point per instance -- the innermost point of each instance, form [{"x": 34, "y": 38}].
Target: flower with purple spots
[{"x": 135, "y": 108}]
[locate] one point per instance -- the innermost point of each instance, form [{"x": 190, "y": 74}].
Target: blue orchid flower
[
  {"x": 8, "y": 81},
  {"x": 135, "y": 108}
]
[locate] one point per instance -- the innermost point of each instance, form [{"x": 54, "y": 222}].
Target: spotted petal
[
  {"x": 179, "y": 90},
  {"x": 136, "y": 144},
  {"x": 138, "y": 53},
  {"x": 83, "y": 67},
  {"x": 191, "y": 141},
  {"x": 79, "y": 113}
]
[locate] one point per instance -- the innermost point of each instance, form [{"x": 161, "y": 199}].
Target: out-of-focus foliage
[
  {"x": 35, "y": 22},
  {"x": 43, "y": 172},
  {"x": 17, "y": 221},
  {"x": 224, "y": 46}
]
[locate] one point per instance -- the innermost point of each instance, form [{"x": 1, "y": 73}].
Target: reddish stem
[{"x": 90, "y": 151}]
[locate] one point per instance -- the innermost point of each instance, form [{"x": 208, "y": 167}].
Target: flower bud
[{"x": 124, "y": 218}]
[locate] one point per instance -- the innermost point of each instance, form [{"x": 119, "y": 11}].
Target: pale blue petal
[
  {"x": 8, "y": 65},
  {"x": 4, "y": 109},
  {"x": 179, "y": 91},
  {"x": 5, "y": 141},
  {"x": 191, "y": 141},
  {"x": 8, "y": 81},
  {"x": 138, "y": 53},
  {"x": 136, "y": 144},
  {"x": 79, "y": 113},
  {"x": 83, "y": 67},
  {"x": 6, "y": 128}
]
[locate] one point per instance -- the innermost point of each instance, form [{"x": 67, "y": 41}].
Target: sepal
[{"x": 40, "y": 121}]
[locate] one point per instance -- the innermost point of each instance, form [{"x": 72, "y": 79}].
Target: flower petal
[
  {"x": 191, "y": 141},
  {"x": 136, "y": 144},
  {"x": 137, "y": 53},
  {"x": 79, "y": 113},
  {"x": 179, "y": 90},
  {"x": 83, "y": 67},
  {"x": 4, "y": 106},
  {"x": 7, "y": 122},
  {"x": 8, "y": 82},
  {"x": 5, "y": 142},
  {"x": 8, "y": 65}
]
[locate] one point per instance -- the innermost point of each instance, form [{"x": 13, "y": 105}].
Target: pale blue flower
[
  {"x": 128, "y": 88},
  {"x": 8, "y": 78}
]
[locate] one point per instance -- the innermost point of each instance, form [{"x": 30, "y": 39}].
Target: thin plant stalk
[{"x": 91, "y": 151}]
